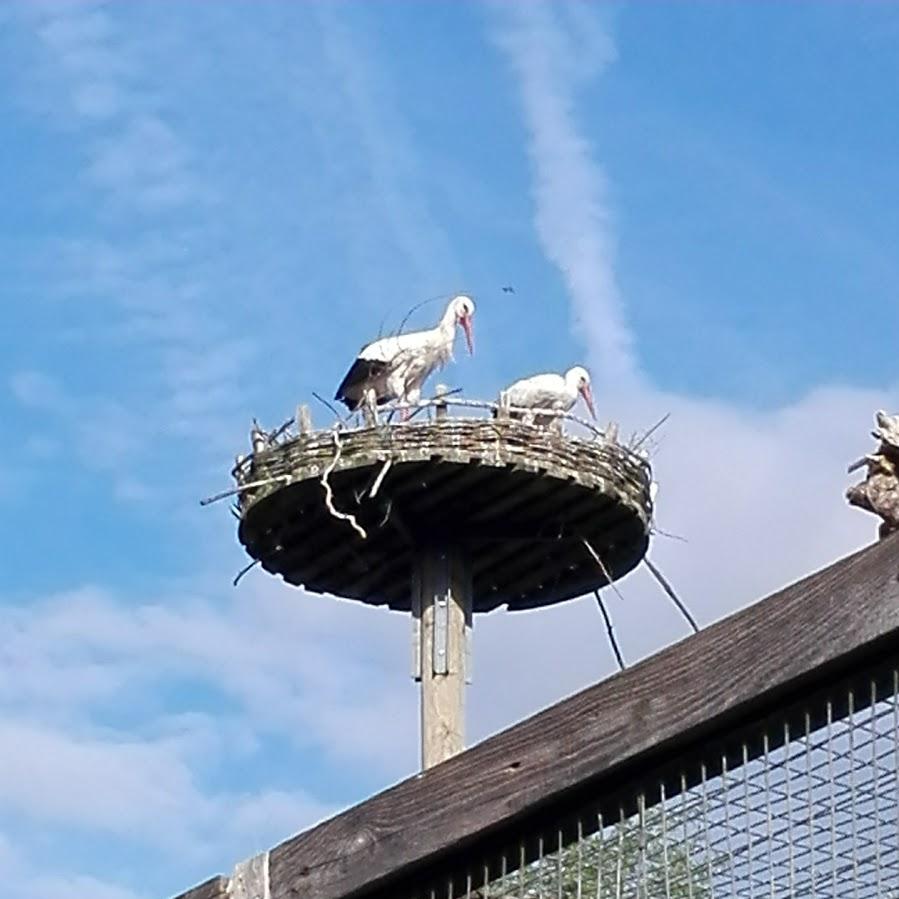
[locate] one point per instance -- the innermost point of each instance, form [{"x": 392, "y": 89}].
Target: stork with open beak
[
  {"x": 396, "y": 367},
  {"x": 549, "y": 391}
]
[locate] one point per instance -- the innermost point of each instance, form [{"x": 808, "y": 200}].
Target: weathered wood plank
[
  {"x": 571, "y": 550},
  {"x": 759, "y": 656},
  {"x": 511, "y": 568},
  {"x": 442, "y": 575},
  {"x": 580, "y": 512},
  {"x": 493, "y": 498},
  {"x": 214, "y": 888}
]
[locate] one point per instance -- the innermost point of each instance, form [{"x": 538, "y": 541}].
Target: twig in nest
[
  {"x": 244, "y": 570},
  {"x": 324, "y": 402},
  {"x": 280, "y": 430},
  {"x": 602, "y": 567},
  {"x": 433, "y": 402},
  {"x": 860, "y": 463},
  {"x": 610, "y": 631},
  {"x": 329, "y": 493},
  {"x": 380, "y": 478},
  {"x": 671, "y": 594},
  {"x": 242, "y": 488},
  {"x": 651, "y": 431},
  {"x": 668, "y": 534}
]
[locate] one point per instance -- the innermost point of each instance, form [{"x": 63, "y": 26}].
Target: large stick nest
[
  {"x": 879, "y": 492},
  {"x": 343, "y": 511}
]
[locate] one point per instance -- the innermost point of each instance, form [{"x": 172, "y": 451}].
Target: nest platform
[{"x": 525, "y": 504}]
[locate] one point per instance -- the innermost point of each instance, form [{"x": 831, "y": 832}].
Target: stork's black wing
[{"x": 361, "y": 372}]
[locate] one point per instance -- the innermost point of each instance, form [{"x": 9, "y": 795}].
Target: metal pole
[{"x": 441, "y": 614}]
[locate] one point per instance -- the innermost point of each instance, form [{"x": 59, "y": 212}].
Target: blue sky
[{"x": 207, "y": 209}]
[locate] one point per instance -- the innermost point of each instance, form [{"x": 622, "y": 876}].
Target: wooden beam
[
  {"x": 761, "y": 657},
  {"x": 444, "y": 580}
]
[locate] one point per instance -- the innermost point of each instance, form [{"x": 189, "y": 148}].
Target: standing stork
[
  {"x": 396, "y": 367},
  {"x": 550, "y": 391}
]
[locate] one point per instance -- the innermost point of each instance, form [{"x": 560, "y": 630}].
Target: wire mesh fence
[{"x": 802, "y": 804}]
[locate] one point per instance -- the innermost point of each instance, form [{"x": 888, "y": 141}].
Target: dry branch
[
  {"x": 244, "y": 570},
  {"x": 380, "y": 478},
  {"x": 610, "y": 631},
  {"x": 329, "y": 493},
  {"x": 669, "y": 590},
  {"x": 641, "y": 440},
  {"x": 602, "y": 568},
  {"x": 243, "y": 488}
]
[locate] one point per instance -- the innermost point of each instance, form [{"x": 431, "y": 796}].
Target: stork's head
[
  {"x": 462, "y": 309},
  {"x": 579, "y": 378}
]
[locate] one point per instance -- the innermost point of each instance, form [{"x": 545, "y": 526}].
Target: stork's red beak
[
  {"x": 587, "y": 394},
  {"x": 465, "y": 321}
]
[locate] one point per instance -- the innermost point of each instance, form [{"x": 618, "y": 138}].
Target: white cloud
[
  {"x": 72, "y": 659},
  {"x": 96, "y": 100},
  {"x": 7, "y": 854},
  {"x": 124, "y": 787},
  {"x": 104, "y": 433},
  {"x": 259, "y": 819},
  {"x": 69, "y": 32},
  {"x": 757, "y": 495},
  {"x": 36, "y": 390},
  {"x": 144, "y": 164},
  {"x": 140, "y": 267},
  {"x": 65, "y": 886},
  {"x": 24, "y": 878},
  {"x": 270, "y": 649},
  {"x": 398, "y": 175},
  {"x": 572, "y": 214},
  {"x": 147, "y": 791}
]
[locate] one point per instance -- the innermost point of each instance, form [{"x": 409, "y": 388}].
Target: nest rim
[{"x": 595, "y": 494}]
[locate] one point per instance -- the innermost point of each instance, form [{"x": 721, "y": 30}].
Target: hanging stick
[
  {"x": 243, "y": 571},
  {"x": 380, "y": 478},
  {"x": 610, "y": 631},
  {"x": 671, "y": 594},
  {"x": 669, "y": 535},
  {"x": 329, "y": 492},
  {"x": 602, "y": 568}
]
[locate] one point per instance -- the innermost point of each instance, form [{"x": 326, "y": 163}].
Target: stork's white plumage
[
  {"x": 549, "y": 391},
  {"x": 396, "y": 367}
]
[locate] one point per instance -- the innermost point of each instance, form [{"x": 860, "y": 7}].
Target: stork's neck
[
  {"x": 445, "y": 332},
  {"x": 571, "y": 384},
  {"x": 447, "y": 324}
]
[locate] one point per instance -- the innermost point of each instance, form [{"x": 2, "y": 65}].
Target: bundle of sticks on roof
[{"x": 879, "y": 492}]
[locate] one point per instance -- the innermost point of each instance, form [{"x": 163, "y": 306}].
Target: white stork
[
  {"x": 396, "y": 367},
  {"x": 549, "y": 391}
]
